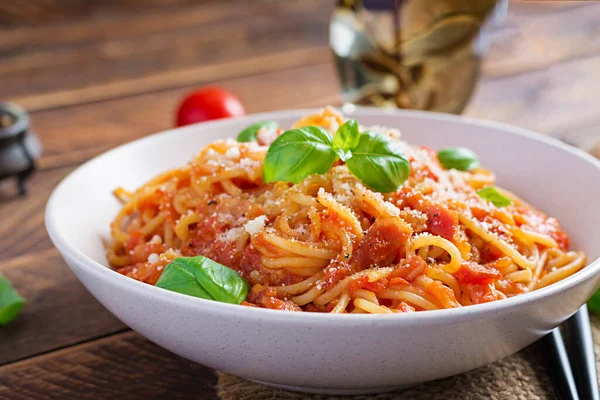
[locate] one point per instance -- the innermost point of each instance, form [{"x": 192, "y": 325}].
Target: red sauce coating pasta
[{"x": 330, "y": 244}]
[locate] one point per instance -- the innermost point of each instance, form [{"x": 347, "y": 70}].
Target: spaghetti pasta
[{"x": 331, "y": 244}]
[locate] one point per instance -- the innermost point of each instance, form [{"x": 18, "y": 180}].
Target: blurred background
[
  {"x": 93, "y": 75},
  {"x": 139, "y": 57}
]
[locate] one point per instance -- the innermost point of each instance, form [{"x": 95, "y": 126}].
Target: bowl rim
[{"x": 112, "y": 277}]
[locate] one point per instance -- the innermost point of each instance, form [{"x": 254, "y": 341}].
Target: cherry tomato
[{"x": 208, "y": 103}]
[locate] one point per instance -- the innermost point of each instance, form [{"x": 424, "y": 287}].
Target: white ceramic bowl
[{"x": 336, "y": 353}]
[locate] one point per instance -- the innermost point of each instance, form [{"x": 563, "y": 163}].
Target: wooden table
[{"x": 95, "y": 82}]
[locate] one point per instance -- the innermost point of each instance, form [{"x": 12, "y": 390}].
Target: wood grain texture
[
  {"x": 22, "y": 228},
  {"x": 74, "y": 135},
  {"x": 109, "y": 50},
  {"x": 118, "y": 55},
  {"x": 533, "y": 41},
  {"x": 554, "y": 100},
  {"x": 203, "y": 74},
  {"x": 124, "y": 366},
  {"x": 33, "y": 12},
  {"x": 537, "y": 7},
  {"x": 59, "y": 310},
  {"x": 80, "y": 132}
]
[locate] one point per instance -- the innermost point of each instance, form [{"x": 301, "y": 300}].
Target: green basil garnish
[
  {"x": 459, "y": 158},
  {"x": 379, "y": 162},
  {"x": 594, "y": 303},
  {"x": 10, "y": 302},
  {"x": 202, "y": 277},
  {"x": 249, "y": 134},
  {"x": 298, "y": 153},
  {"x": 375, "y": 159},
  {"x": 346, "y": 139},
  {"x": 492, "y": 195}
]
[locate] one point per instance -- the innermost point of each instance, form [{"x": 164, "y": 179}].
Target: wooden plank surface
[
  {"x": 533, "y": 41},
  {"x": 524, "y": 43},
  {"x": 155, "y": 48},
  {"x": 126, "y": 366},
  {"x": 59, "y": 310},
  {"x": 555, "y": 100},
  {"x": 22, "y": 228},
  {"x": 80, "y": 132},
  {"x": 199, "y": 75}
]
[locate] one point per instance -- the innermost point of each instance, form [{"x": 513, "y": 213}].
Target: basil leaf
[
  {"x": 202, "y": 277},
  {"x": 346, "y": 139},
  {"x": 10, "y": 302},
  {"x": 594, "y": 303},
  {"x": 224, "y": 284},
  {"x": 179, "y": 276},
  {"x": 379, "y": 162},
  {"x": 459, "y": 158},
  {"x": 249, "y": 134},
  {"x": 298, "y": 153},
  {"x": 492, "y": 195}
]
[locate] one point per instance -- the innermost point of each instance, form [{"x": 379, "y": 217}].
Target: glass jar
[{"x": 418, "y": 54}]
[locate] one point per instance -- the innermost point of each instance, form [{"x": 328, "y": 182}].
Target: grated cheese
[
  {"x": 156, "y": 239},
  {"x": 267, "y": 135},
  {"x": 232, "y": 153},
  {"x": 255, "y": 147},
  {"x": 391, "y": 209},
  {"x": 346, "y": 187},
  {"x": 231, "y": 235},
  {"x": 256, "y": 225}
]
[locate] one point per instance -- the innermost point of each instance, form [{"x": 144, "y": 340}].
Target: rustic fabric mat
[{"x": 520, "y": 376}]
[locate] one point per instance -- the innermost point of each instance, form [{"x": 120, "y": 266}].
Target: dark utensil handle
[
  {"x": 581, "y": 352},
  {"x": 560, "y": 371}
]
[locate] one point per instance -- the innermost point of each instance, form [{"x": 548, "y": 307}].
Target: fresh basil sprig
[
  {"x": 298, "y": 153},
  {"x": 492, "y": 195},
  {"x": 346, "y": 139},
  {"x": 375, "y": 159},
  {"x": 10, "y": 302},
  {"x": 379, "y": 162},
  {"x": 459, "y": 158},
  {"x": 202, "y": 277},
  {"x": 249, "y": 134}
]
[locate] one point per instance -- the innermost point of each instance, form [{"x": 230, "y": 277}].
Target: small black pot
[{"x": 19, "y": 147}]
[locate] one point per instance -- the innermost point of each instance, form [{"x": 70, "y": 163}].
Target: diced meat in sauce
[
  {"x": 441, "y": 221},
  {"x": 477, "y": 274},
  {"x": 483, "y": 293},
  {"x": 380, "y": 246},
  {"x": 268, "y": 297}
]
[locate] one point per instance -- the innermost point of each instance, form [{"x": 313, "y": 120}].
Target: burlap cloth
[{"x": 520, "y": 376}]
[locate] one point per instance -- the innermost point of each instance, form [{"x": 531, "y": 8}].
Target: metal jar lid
[{"x": 19, "y": 147}]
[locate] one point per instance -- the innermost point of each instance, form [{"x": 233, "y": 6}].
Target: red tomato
[{"x": 208, "y": 103}]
